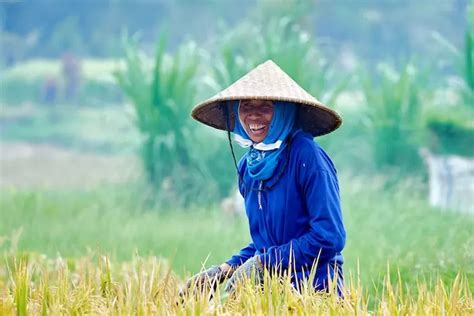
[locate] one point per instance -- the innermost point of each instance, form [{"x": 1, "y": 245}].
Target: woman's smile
[{"x": 258, "y": 130}]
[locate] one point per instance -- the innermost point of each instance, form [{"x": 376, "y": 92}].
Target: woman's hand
[
  {"x": 251, "y": 268},
  {"x": 227, "y": 269},
  {"x": 208, "y": 279}
]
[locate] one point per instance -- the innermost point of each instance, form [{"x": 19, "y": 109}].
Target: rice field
[
  {"x": 147, "y": 286},
  {"x": 103, "y": 250}
]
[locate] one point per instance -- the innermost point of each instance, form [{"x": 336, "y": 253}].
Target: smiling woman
[{"x": 287, "y": 180}]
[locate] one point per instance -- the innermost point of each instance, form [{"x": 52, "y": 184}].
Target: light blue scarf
[{"x": 263, "y": 158}]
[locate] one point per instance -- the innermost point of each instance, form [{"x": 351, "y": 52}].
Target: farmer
[{"x": 288, "y": 182}]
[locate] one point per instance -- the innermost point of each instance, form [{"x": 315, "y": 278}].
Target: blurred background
[{"x": 99, "y": 154}]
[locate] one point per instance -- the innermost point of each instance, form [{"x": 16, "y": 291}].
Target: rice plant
[{"x": 146, "y": 286}]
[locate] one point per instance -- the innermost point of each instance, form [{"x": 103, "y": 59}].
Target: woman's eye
[{"x": 264, "y": 109}]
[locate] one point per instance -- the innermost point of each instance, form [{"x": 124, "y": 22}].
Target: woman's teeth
[{"x": 256, "y": 127}]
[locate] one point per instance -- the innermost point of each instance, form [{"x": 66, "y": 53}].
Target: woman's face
[{"x": 256, "y": 116}]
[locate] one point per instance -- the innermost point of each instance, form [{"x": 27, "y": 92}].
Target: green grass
[
  {"x": 395, "y": 225},
  {"x": 112, "y": 221},
  {"x": 392, "y": 225}
]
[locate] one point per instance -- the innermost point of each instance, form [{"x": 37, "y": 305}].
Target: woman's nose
[{"x": 255, "y": 114}]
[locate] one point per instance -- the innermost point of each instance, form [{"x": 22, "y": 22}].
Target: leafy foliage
[
  {"x": 451, "y": 129},
  {"x": 162, "y": 92},
  {"x": 393, "y": 110},
  {"x": 468, "y": 91}
]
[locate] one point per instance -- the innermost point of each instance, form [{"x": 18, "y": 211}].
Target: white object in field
[
  {"x": 451, "y": 181},
  {"x": 233, "y": 205}
]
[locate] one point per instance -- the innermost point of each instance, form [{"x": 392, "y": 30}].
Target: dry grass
[{"x": 37, "y": 285}]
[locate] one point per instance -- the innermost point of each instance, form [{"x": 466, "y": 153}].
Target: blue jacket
[{"x": 299, "y": 215}]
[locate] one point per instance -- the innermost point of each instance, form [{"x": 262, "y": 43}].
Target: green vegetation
[
  {"x": 162, "y": 104},
  {"x": 393, "y": 116},
  {"x": 451, "y": 128},
  {"x": 401, "y": 254},
  {"x": 171, "y": 149},
  {"x": 467, "y": 68},
  {"x": 116, "y": 221},
  {"x": 383, "y": 225},
  {"x": 388, "y": 124}
]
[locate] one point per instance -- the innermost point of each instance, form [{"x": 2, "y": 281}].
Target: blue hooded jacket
[{"x": 299, "y": 216}]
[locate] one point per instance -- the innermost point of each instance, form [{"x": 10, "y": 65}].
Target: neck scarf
[{"x": 262, "y": 158}]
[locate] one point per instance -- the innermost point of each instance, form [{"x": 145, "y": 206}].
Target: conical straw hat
[{"x": 268, "y": 82}]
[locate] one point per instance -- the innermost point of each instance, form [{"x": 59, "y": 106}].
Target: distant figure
[
  {"x": 72, "y": 75},
  {"x": 288, "y": 182},
  {"x": 49, "y": 91}
]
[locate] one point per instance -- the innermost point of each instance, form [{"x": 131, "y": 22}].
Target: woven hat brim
[
  {"x": 313, "y": 117},
  {"x": 268, "y": 81}
]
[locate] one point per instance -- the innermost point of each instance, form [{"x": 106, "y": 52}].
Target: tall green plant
[
  {"x": 469, "y": 51},
  {"x": 450, "y": 128},
  {"x": 469, "y": 68},
  {"x": 393, "y": 111},
  {"x": 462, "y": 59},
  {"x": 162, "y": 91}
]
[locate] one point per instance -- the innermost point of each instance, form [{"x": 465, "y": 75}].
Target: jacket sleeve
[
  {"x": 244, "y": 254},
  {"x": 326, "y": 235}
]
